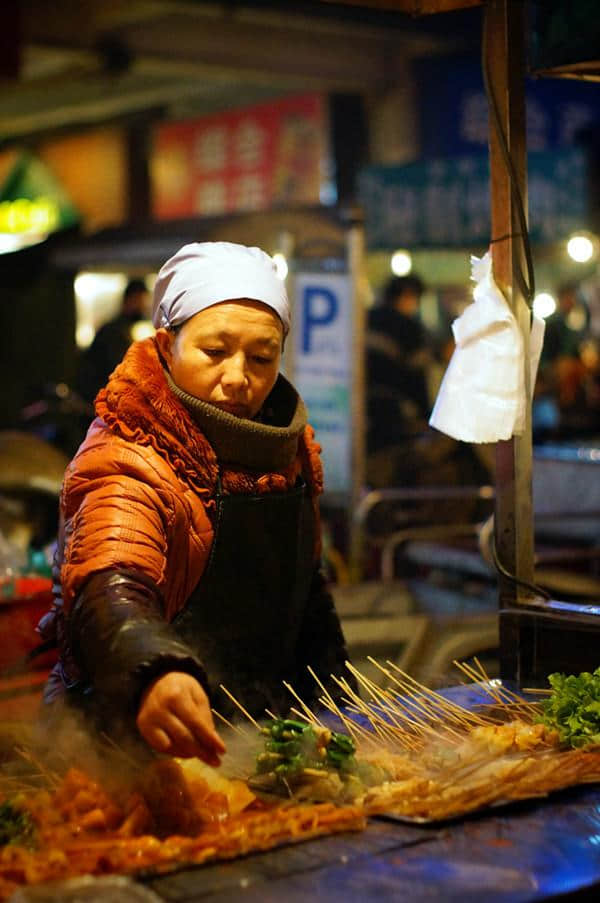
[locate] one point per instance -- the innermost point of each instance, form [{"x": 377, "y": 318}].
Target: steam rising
[{"x": 39, "y": 753}]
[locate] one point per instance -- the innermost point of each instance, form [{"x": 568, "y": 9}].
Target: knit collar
[
  {"x": 138, "y": 405},
  {"x": 269, "y": 443}
]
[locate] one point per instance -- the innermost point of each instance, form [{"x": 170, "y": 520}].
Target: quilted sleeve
[
  {"x": 120, "y": 523},
  {"x": 121, "y": 640},
  {"x": 119, "y": 504}
]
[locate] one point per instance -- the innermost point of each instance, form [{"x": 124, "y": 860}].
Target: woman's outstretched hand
[{"x": 175, "y": 718}]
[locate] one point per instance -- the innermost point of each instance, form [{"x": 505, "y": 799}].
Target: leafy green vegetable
[
  {"x": 292, "y": 746},
  {"x": 573, "y": 709},
  {"x": 16, "y": 825}
]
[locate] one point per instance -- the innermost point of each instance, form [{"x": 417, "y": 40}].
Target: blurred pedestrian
[
  {"x": 397, "y": 357},
  {"x": 112, "y": 340},
  {"x": 562, "y": 370},
  {"x": 402, "y": 450}
]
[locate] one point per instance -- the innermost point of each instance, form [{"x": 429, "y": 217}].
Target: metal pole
[
  {"x": 504, "y": 59},
  {"x": 356, "y": 251}
]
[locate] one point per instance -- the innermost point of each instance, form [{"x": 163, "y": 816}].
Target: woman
[{"x": 188, "y": 554}]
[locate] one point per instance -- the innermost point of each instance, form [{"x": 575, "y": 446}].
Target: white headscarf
[{"x": 205, "y": 273}]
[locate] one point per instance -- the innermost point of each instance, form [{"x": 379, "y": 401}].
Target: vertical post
[
  {"x": 504, "y": 59},
  {"x": 11, "y": 39},
  {"x": 139, "y": 202},
  {"x": 356, "y": 250}
]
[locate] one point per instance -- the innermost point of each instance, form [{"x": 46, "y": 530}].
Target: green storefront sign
[
  {"x": 446, "y": 202},
  {"x": 33, "y": 201}
]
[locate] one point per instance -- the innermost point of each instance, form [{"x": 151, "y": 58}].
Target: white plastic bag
[{"x": 482, "y": 395}]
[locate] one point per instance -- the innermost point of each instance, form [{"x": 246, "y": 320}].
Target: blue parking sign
[{"x": 323, "y": 367}]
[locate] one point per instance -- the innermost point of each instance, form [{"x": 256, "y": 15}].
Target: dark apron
[{"x": 245, "y": 615}]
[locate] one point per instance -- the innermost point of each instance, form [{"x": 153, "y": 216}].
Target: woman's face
[{"x": 227, "y": 355}]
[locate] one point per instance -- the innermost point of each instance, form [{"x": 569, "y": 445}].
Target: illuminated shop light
[
  {"x": 577, "y": 318},
  {"x": 143, "y": 329},
  {"x": 91, "y": 286},
  {"x": 401, "y": 263},
  {"x": 544, "y": 305},
  {"x": 581, "y": 248},
  {"x": 98, "y": 297},
  {"x": 281, "y": 265},
  {"x": 10, "y": 243},
  {"x": 39, "y": 216},
  {"x": 24, "y": 223},
  {"x": 84, "y": 335}
]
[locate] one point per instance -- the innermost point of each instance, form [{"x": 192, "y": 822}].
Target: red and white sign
[{"x": 252, "y": 159}]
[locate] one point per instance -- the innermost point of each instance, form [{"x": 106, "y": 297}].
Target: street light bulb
[
  {"x": 401, "y": 263},
  {"x": 580, "y": 248},
  {"x": 89, "y": 287},
  {"x": 544, "y": 305}
]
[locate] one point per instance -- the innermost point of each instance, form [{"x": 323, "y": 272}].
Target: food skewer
[
  {"x": 240, "y": 707},
  {"x": 234, "y": 727},
  {"x": 309, "y": 714}
]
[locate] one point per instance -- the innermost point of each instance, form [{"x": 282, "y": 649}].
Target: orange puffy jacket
[{"x": 139, "y": 493}]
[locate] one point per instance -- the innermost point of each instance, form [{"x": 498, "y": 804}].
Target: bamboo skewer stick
[
  {"x": 50, "y": 776},
  {"x": 234, "y": 727},
  {"x": 361, "y": 708},
  {"x": 357, "y": 706},
  {"x": 434, "y": 704},
  {"x": 476, "y": 678},
  {"x": 450, "y": 709},
  {"x": 240, "y": 707},
  {"x": 302, "y": 716},
  {"x": 381, "y": 725},
  {"x": 451, "y": 715},
  {"x": 502, "y": 695},
  {"x": 406, "y": 741},
  {"x": 327, "y": 695},
  {"x": 479, "y": 677},
  {"x": 407, "y": 713},
  {"x": 356, "y": 732},
  {"x": 394, "y": 732},
  {"x": 418, "y": 700},
  {"x": 329, "y": 702},
  {"x": 517, "y": 700},
  {"x": 382, "y": 699},
  {"x": 310, "y": 715}
]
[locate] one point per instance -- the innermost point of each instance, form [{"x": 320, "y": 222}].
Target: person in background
[
  {"x": 567, "y": 326},
  {"x": 397, "y": 357},
  {"x": 112, "y": 340},
  {"x": 562, "y": 374},
  {"x": 189, "y": 549},
  {"x": 402, "y": 450}
]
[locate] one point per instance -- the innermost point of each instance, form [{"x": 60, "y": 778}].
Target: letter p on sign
[{"x": 319, "y": 308}]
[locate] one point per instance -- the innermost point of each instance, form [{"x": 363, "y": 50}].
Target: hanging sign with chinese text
[
  {"x": 241, "y": 160},
  {"x": 446, "y": 202}
]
